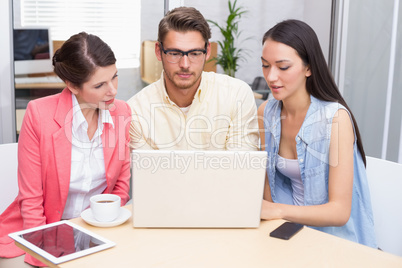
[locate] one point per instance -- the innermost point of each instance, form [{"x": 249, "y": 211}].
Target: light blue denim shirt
[{"x": 312, "y": 145}]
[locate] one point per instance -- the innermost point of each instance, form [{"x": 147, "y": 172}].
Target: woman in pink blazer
[{"x": 71, "y": 144}]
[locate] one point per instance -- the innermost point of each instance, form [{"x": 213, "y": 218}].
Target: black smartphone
[{"x": 286, "y": 230}]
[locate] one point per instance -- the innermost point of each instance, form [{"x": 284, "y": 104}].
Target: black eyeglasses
[{"x": 175, "y": 55}]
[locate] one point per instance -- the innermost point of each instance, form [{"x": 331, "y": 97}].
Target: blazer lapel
[
  {"x": 62, "y": 142},
  {"x": 109, "y": 144}
]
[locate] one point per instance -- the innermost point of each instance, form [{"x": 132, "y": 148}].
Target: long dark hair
[
  {"x": 320, "y": 84},
  {"x": 79, "y": 56}
]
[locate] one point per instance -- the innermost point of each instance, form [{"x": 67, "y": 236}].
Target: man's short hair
[{"x": 184, "y": 19}]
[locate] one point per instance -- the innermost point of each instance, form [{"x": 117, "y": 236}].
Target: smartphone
[{"x": 286, "y": 230}]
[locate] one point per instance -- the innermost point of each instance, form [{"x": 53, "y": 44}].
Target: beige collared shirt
[{"x": 222, "y": 116}]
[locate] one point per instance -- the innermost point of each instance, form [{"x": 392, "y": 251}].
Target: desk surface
[
  {"x": 227, "y": 248},
  {"x": 43, "y": 81}
]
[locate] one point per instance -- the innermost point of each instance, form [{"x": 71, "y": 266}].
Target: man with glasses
[{"x": 188, "y": 109}]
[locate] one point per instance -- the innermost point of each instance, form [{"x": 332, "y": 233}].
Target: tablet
[{"x": 61, "y": 241}]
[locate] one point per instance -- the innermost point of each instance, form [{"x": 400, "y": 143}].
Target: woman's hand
[{"x": 270, "y": 210}]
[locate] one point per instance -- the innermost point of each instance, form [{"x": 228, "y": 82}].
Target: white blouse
[
  {"x": 291, "y": 169},
  {"x": 87, "y": 162}
]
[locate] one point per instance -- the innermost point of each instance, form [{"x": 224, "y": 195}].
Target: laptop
[{"x": 197, "y": 189}]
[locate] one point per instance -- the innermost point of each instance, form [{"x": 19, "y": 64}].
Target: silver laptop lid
[{"x": 197, "y": 189}]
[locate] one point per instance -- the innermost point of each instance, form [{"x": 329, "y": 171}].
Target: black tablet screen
[{"x": 61, "y": 240}]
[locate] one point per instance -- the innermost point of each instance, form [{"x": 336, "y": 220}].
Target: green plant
[{"x": 230, "y": 56}]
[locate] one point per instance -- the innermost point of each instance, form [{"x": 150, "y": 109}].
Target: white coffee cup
[{"x": 105, "y": 207}]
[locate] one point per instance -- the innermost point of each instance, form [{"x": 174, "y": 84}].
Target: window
[{"x": 117, "y": 22}]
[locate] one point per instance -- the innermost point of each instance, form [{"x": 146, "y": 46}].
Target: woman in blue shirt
[{"x": 316, "y": 163}]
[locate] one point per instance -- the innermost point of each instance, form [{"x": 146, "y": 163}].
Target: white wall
[
  {"x": 7, "y": 112},
  {"x": 370, "y": 68},
  {"x": 262, "y": 15},
  {"x": 151, "y": 14},
  {"x": 317, "y": 13}
]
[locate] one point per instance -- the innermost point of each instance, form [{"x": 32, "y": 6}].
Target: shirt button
[
  {"x": 298, "y": 138},
  {"x": 301, "y": 160}
]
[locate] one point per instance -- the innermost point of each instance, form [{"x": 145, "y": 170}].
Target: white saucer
[{"x": 87, "y": 216}]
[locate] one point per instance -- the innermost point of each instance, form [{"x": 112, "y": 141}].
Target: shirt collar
[
  {"x": 79, "y": 119},
  {"x": 201, "y": 92}
]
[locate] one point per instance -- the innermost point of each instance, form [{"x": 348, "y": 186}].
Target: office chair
[
  {"x": 260, "y": 86},
  {"x": 385, "y": 182},
  {"x": 9, "y": 174}
]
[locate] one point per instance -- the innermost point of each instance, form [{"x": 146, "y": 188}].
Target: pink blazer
[{"x": 44, "y": 163}]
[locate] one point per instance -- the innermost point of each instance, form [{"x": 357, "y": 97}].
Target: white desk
[
  {"x": 227, "y": 248},
  {"x": 38, "y": 82}
]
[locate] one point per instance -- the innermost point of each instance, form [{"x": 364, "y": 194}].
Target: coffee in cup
[{"x": 105, "y": 207}]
